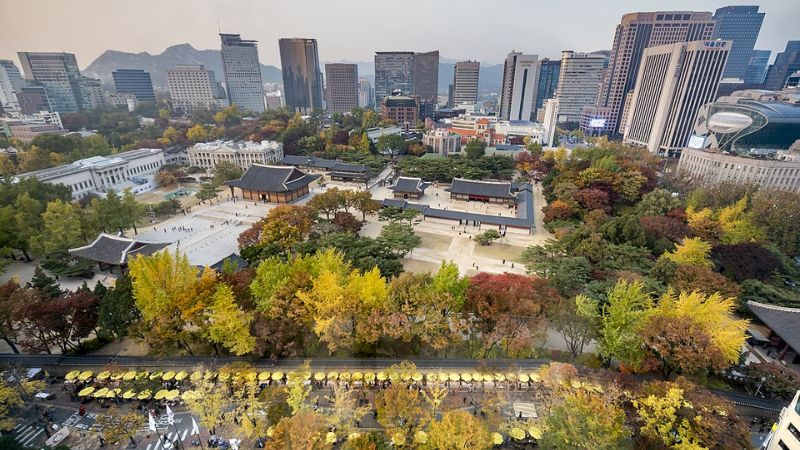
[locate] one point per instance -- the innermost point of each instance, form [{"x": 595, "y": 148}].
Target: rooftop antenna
[{"x": 219, "y": 30}]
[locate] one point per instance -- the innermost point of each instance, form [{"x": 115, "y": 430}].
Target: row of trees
[{"x": 444, "y": 170}]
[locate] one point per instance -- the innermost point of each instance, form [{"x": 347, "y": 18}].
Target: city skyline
[{"x": 592, "y": 28}]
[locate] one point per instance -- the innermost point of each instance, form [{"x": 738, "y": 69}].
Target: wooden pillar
[{"x": 782, "y": 354}]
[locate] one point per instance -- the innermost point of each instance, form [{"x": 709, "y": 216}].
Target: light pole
[{"x": 759, "y": 385}]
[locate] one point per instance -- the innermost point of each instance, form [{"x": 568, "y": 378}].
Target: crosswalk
[
  {"x": 171, "y": 436},
  {"x": 28, "y": 434}
]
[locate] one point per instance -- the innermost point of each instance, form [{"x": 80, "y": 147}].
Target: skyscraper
[
  {"x": 242, "y": 73},
  {"x": 60, "y": 76},
  {"x": 10, "y": 83},
  {"x": 578, "y": 83},
  {"x": 426, "y": 81},
  {"x": 341, "y": 87},
  {"x": 786, "y": 63},
  {"x": 192, "y": 86},
  {"x": 636, "y": 32},
  {"x": 520, "y": 75},
  {"x": 136, "y": 82},
  {"x": 757, "y": 67},
  {"x": 302, "y": 78},
  {"x": 741, "y": 25},
  {"x": 673, "y": 82},
  {"x": 465, "y": 82},
  {"x": 366, "y": 94},
  {"x": 393, "y": 71},
  {"x": 549, "y": 71},
  {"x": 91, "y": 93}
]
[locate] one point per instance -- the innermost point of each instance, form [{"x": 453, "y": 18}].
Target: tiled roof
[
  {"x": 312, "y": 161},
  {"x": 495, "y": 189},
  {"x": 345, "y": 167},
  {"x": 116, "y": 250},
  {"x": 407, "y": 184},
  {"x": 272, "y": 179},
  {"x": 488, "y": 219},
  {"x": 356, "y": 175},
  {"x": 785, "y": 322}
]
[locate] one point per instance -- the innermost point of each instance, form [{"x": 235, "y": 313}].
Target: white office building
[
  {"x": 786, "y": 433},
  {"x": 550, "y": 121},
  {"x": 578, "y": 83},
  {"x": 192, "y": 86},
  {"x": 465, "y": 82},
  {"x": 243, "y": 153},
  {"x": 10, "y": 82},
  {"x": 674, "y": 81},
  {"x": 442, "y": 141},
  {"x": 133, "y": 170},
  {"x": 520, "y": 79}
]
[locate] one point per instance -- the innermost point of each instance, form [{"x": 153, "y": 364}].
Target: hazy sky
[{"x": 347, "y": 29}]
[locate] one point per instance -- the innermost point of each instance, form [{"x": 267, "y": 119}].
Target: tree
[
  {"x": 328, "y": 202},
  {"x": 393, "y": 144},
  {"x": 9, "y": 328},
  {"x": 198, "y": 133},
  {"x": 210, "y": 403},
  {"x": 9, "y": 400},
  {"x": 399, "y": 238},
  {"x": 621, "y": 320},
  {"x": 229, "y": 324},
  {"x": 392, "y": 214},
  {"x": 558, "y": 210},
  {"x": 118, "y": 425},
  {"x": 567, "y": 273},
  {"x": 303, "y": 431},
  {"x": 771, "y": 379},
  {"x": 117, "y": 310},
  {"x": 74, "y": 121},
  {"x": 776, "y": 213},
  {"x": 207, "y": 191},
  {"x": 344, "y": 411},
  {"x": 401, "y": 411},
  {"x": 745, "y": 261},
  {"x": 164, "y": 178},
  {"x": 458, "y": 430},
  {"x": 373, "y": 440},
  {"x": 508, "y": 310},
  {"x": 701, "y": 279},
  {"x": 46, "y": 286},
  {"x": 584, "y": 420},
  {"x": 487, "y": 237},
  {"x": 592, "y": 198},
  {"x": 225, "y": 171},
  {"x": 576, "y": 329},
  {"x": 362, "y": 201},
  {"x": 679, "y": 345},
  {"x": 657, "y": 203},
  {"x": 448, "y": 280},
  {"x": 692, "y": 251},
  {"x": 61, "y": 229},
  {"x": 665, "y": 227},
  {"x": 475, "y": 149}
]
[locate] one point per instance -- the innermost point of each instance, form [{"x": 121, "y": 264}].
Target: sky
[{"x": 347, "y": 30}]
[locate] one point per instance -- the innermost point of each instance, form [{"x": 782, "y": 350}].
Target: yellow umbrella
[
  {"x": 497, "y": 439},
  {"x": 117, "y": 376},
  {"x": 405, "y": 376},
  {"x": 381, "y": 376},
  {"x": 535, "y": 377},
  {"x": 277, "y": 376},
  {"x": 130, "y": 375},
  {"x": 576, "y": 384},
  {"x": 142, "y": 375},
  {"x": 454, "y": 376},
  {"x": 466, "y": 377},
  {"x": 535, "y": 431},
  {"x": 499, "y": 377},
  {"x": 357, "y": 376},
  {"x": 104, "y": 375},
  {"x": 511, "y": 376},
  {"x": 332, "y": 376},
  {"x": 344, "y": 376},
  {"x": 180, "y": 376},
  {"x": 224, "y": 376},
  {"x": 307, "y": 375},
  {"x": 353, "y": 436},
  {"x": 432, "y": 377},
  {"x": 330, "y": 438},
  {"x": 487, "y": 377},
  {"x": 100, "y": 393},
  {"x": 417, "y": 377},
  {"x": 168, "y": 376},
  {"x": 129, "y": 395},
  {"x": 477, "y": 376},
  {"x": 172, "y": 395},
  {"x": 112, "y": 393},
  {"x": 524, "y": 378},
  {"x": 251, "y": 376},
  {"x": 393, "y": 376},
  {"x": 270, "y": 431},
  {"x": 72, "y": 375},
  {"x": 156, "y": 375},
  {"x": 85, "y": 375},
  {"x": 144, "y": 395},
  {"x": 319, "y": 376},
  {"x": 189, "y": 395},
  {"x": 263, "y": 376},
  {"x": 86, "y": 391},
  {"x": 161, "y": 394},
  {"x": 369, "y": 377},
  {"x": 421, "y": 437},
  {"x": 196, "y": 376},
  {"x": 517, "y": 433},
  {"x": 209, "y": 376}
]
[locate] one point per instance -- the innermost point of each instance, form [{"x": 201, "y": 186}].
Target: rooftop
[
  {"x": 497, "y": 189},
  {"x": 408, "y": 184},
  {"x": 221, "y": 145},
  {"x": 115, "y": 250},
  {"x": 94, "y": 162},
  {"x": 263, "y": 178},
  {"x": 785, "y": 322}
]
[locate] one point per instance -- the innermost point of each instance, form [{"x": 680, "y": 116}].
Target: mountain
[{"x": 158, "y": 65}]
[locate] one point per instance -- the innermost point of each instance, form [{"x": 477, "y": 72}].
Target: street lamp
[{"x": 759, "y": 385}]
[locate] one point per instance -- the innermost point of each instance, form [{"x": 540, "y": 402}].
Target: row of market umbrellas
[
  {"x": 146, "y": 394},
  {"x": 317, "y": 376}
]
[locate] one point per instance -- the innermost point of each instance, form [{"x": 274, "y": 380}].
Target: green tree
[
  {"x": 229, "y": 324},
  {"x": 61, "y": 229},
  {"x": 487, "y": 237},
  {"x": 207, "y": 191},
  {"x": 692, "y": 251},
  {"x": 119, "y": 425},
  {"x": 118, "y": 309},
  {"x": 448, "y": 280},
  {"x": 586, "y": 421},
  {"x": 458, "y": 430},
  {"x": 399, "y": 238},
  {"x": 225, "y": 171},
  {"x": 475, "y": 149}
]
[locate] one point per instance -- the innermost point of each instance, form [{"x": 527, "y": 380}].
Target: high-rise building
[
  {"x": 192, "y": 86},
  {"x": 674, "y": 81},
  {"x": 242, "y": 72},
  {"x": 636, "y": 32},
  {"x": 32, "y": 98},
  {"x": 393, "y": 71},
  {"x": 741, "y": 25},
  {"x": 517, "y": 97},
  {"x": 578, "y": 83},
  {"x": 136, "y": 82},
  {"x": 366, "y": 94},
  {"x": 302, "y": 78},
  {"x": 465, "y": 82},
  {"x": 786, "y": 63},
  {"x": 10, "y": 83},
  {"x": 426, "y": 81},
  {"x": 341, "y": 87},
  {"x": 549, "y": 71},
  {"x": 60, "y": 76},
  {"x": 550, "y": 121},
  {"x": 91, "y": 93},
  {"x": 757, "y": 67}
]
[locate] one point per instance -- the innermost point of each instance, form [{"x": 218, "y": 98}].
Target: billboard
[{"x": 597, "y": 123}]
